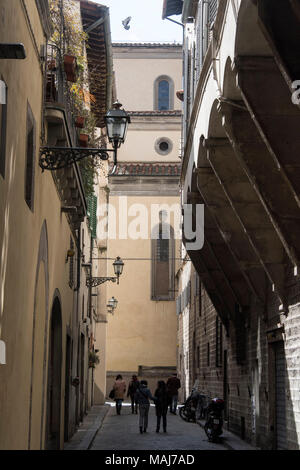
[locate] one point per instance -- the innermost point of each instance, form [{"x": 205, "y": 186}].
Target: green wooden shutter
[{"x": 92, "y": 214}]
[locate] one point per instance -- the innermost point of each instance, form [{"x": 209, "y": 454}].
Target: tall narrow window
[
  {"x": 163, "y": 93},
  {"x": 163, "y": 262},
  {"x": 30, "y": 158},
  {"x": 3, "y": 120}
]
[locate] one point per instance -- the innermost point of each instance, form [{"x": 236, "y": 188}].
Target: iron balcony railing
[{"x": 57, "y": 89}]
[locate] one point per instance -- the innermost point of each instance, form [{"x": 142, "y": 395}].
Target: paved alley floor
[{"x": 122, "y": 433}]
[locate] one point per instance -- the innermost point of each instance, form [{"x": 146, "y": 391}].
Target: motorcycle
[
  {"x": 193, "y": 408},
  {"x": 214, "y": 422}
]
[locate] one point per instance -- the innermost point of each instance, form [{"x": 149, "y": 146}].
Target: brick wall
[{"x": 251, "y": 383}]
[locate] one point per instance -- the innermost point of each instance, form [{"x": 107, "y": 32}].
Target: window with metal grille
[
  {"x": 30, "y": 158},
  {"x": 3, "y": 125},
  {"x": 208, "y": 354},
  {"x": 218, "y": 342}
]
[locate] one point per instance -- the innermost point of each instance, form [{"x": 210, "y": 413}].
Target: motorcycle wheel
[
  {"x": 184, "y": 414},
  {"x": 208, "y": 433}
]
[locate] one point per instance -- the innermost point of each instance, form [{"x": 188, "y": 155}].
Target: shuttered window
[
  {"x": 92, "y": 214},
  {"x": 30, "y": 158},
  {"x": 3, "y": 125}
]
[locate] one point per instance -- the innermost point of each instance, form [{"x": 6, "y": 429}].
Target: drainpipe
[
  {"x": 78, "y": 258},
  {"x": 214, "y": 65},
  {"x": 109, "y": 59}
]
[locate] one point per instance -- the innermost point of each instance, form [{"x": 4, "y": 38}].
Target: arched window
[
  {"x": 163, "y": 93},
  {"x": 163, "y": 266}
]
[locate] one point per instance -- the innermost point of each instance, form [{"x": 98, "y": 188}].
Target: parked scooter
[
  {"x": 214, "y": 422},
  {"x": 193, "y": 407}
]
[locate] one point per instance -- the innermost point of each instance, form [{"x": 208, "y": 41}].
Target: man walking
[
  {"x": 173, "y": 385},
  {"x": 132, "y": 388}
]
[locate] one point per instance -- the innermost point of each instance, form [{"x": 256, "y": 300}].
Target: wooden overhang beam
[
  {"x": 220, "y": 265},
  {"x": 267, "y": 250},
  {"x": 232, "y": 233},
  {"x": 265, "y": 177},
  {"x": 275, "y": 115},
  {"x": 280, "y": 24},
  {"x": 213, "y": 290}
]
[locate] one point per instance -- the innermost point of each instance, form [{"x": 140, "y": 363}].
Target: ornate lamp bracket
[
  {"x": 55, "y": 158},
  {"x": 96, "y": 281}
]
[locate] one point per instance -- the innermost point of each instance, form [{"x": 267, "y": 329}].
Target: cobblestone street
[{"x": 122, "y": 433}]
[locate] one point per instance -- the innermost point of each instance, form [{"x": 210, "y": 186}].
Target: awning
[{"x": 172, "y": 7}]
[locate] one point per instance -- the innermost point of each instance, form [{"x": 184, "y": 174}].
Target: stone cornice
[
  {"x": 201, "y": 85},
  {"x": 43, "y": 9}
]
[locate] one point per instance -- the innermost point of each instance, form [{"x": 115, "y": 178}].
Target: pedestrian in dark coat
[
  {"x": 161, "y": 404},
  {"x": 142, "y": 396},
  {"x": 173, "y": 385},
  {"x": 132, "y": 388}
]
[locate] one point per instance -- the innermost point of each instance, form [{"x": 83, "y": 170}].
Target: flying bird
[{"x": 126, "y": 22}]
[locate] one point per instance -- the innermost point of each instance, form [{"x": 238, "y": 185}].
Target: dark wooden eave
[
  {"x": 172, "y": 7},
  {"x": 98, "y": 54}
]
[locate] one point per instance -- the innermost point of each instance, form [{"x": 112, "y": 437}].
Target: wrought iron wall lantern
[
  {"x": 112, "y": 305},
  {"x": 118, "y": 265},
  {"x": 116, "y": 120}
]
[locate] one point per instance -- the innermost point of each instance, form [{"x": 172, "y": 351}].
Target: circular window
[{"x": 163, "y": 146}]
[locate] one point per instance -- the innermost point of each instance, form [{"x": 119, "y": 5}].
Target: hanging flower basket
[
  {"x": 83, "y": 140},
  {"x": 70, "y": 67},
  {"x": 79, "y": 122}
]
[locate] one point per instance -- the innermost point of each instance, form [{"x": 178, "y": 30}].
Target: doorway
[
  {"x": 53, "y": 424},
  {"x": 280, "y": 405},
  {"x": 67, "y": 388}
]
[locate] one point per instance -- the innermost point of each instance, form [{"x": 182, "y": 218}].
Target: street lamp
[
  {"x": 116, "y": 119},
  {"x": 118, "y": 265},
  {"x": 112, "y": 305}
]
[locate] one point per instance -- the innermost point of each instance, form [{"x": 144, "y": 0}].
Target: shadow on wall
[{"x": 99, "y": 398}]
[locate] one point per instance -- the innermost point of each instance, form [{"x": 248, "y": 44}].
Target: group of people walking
[{"x": 165, "y": 396}]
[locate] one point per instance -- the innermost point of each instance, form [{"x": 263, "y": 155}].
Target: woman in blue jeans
[{"x": 142, "y": 396}]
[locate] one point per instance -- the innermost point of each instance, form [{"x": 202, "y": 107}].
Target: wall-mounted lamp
[
  {"x": 116, "y": 120},
  {"x": 70, "y": 254},
  {"x": 112, "y": 305},
  {"x": 118, "y": 265}
]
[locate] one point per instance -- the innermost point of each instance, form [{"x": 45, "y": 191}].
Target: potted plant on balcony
[
  {"x": 79, "y": 122},
  {"x": 83, "y": 140},
  {"x": 93, "y": 359},
  {"x": 70, "y": 68}
]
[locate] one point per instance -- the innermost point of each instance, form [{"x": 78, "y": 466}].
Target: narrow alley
[{"x": 103, "y": 429}]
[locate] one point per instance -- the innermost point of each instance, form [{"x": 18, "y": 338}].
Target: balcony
[
  {"x": 59, "y": 115},
  {"x": 59, "y": 105}
]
